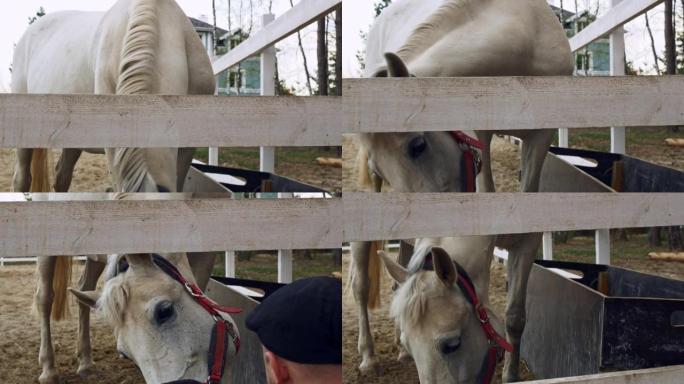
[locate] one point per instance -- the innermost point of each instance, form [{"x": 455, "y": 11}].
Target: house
[
  {"x": 243, "y": 80},
  {"x": 594, "y": 60}
]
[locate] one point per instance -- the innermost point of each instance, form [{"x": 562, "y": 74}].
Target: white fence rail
[{"x": 301, "y": 15}]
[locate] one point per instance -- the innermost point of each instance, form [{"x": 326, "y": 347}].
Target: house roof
[{"x": 202, "y": 26}]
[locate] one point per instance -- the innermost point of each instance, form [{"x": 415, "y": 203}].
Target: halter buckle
[{"x": 192, "y": 293}]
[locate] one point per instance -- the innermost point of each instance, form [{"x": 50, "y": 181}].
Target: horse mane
[
  {"x": 447, "y": 16},
  {"x": 133, "y": 174},
  {"x": 410, "y": 300},
  {"x": 113, "y": 301},
  {"x": 137, "y": 72}
]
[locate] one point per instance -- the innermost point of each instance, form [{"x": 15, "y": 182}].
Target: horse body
[
  {"x": 136, "y": 47},
  {"x": 451, "y": 38}
]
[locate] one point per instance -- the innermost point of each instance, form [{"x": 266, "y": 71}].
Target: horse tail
[
  {"x": 362, "y": 166},
  {"x": 60, "y": 283},
  {"x": 137, "y": 72},
  {"x": 40, "y": 182},
  {"x": 40, "y": 171}
]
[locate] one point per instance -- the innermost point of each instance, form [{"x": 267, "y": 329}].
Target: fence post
[
  {"x": 268, "y": 68},
  {"x": 617, "y": 68},
  {"x": 229, "y": 264},
  {"x": 285, "y": 255},
  {"x": 603, "y": 246},
  {"x": 547, "y": 245}
]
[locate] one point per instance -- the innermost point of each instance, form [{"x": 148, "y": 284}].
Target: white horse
[
  {"x": 159, "y": 324},
  {"x": 137, "y": 47},
  {"x": 451, "y": 38}
]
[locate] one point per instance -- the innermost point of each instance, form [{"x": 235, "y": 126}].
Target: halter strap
[
  {"x": 223, "y": 332},
  {"x": 497, "y": 343},
  {"x": 472, "y": 164}
]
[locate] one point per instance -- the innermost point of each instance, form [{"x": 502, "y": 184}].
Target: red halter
[
  {"x": 472, "y": 165},
  {"x": 497, "y": 343},
  {"x": 222, "y": 331}
]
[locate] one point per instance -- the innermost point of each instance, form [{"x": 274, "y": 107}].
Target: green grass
[
  {"x": 582, "y": 248},
  {"x": 249, "y": 157},
  {"x": 263, "y": 266}
]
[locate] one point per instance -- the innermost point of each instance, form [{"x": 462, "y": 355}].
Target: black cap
[{"x": 302, "y": 321}]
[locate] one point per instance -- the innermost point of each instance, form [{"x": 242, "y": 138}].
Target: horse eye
[
  {"x": 164, "y": 312},
  {"x": 450, "y": 345},
  {"x": 417, "y": 147}
]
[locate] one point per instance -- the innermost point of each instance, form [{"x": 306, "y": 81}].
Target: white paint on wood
[
  {"x": 547, "y": 245},
  {"x": 213, "y": 156},
  {"x": 563, "y": 138},
  {"x": 617, "y": 16},
  {"x": 268, "y": 86},
  {"x": 229, "y": 264},
  {"x": 602, "y": 242},
  {"x": 662, "y": 375},
  {"x": 505, "y": 103},
  {"x": 148, "y": 121},
  {"x": 285, "y": 266},
  {"x": 617, "y": 68},
  {"x": 302, "y": 14},
  {"x": 42, "y": 228},
  {"x": 378, "y": 216}
]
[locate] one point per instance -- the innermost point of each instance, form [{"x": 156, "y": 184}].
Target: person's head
[{"x": 300, "y": 328}]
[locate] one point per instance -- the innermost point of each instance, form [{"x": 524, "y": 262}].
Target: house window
[
  {"x": 581, "y": 25},
  {"x": 583, "y": 61}
]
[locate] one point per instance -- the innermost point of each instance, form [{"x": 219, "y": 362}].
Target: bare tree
[
  {"x": 338, "y": 50},
  {"x": 322, "y": 55},
  {"x": 670, "y": 58},
  {"x": 215, "y": 31},
  {"x": 656, "y": 59},
  {"x": 306, "y": 66}
]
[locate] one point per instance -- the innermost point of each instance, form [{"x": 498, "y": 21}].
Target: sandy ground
[{"x": 20, "y": 338}]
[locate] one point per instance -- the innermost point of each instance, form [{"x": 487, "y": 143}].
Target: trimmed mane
[
  {"x": 132, "y": 170},
  {"x": 450, "y": 14},
  {"x": 137, "y": 72}
]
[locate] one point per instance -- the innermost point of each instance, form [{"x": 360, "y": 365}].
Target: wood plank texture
[
  {"x": 662, "y": 375},
  {"x": 384, "y": 216},
  {"x": 39, "y": 228},
  {"x": 302, "y": 14},
  {"x": 442, "y": 104},
  {"x": 89, "y": 121}
]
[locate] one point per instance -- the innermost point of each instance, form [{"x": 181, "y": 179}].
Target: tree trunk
[
  {"x": 674, "y": 239},
  {"x": 654, "y": 237},
  {"x": 653, "y": 48},
  {"x": 215, "y": 31},
  {"x": 306, "y": 65},
  {"x": 670, "y": 55},
  {"x": 322, "y": 53},
  {"x": 338, "y": 49}
]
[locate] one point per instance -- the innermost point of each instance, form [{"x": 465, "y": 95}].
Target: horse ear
[
  {"x": 444, "y": 267},
  {"x": 398, "y": 273},
  {"x": 88, "y": 298},
  {"x": 396, "y": 66}
]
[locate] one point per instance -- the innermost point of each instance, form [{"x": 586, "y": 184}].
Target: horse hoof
[
  {"x": 404, "y": 357},
  {"x": 49, "y": 377},
  {"x": 87, "y": 372},
  {"x": 370, "y": 366}
]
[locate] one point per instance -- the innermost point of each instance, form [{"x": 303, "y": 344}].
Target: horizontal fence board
[
  {"x": 383, "y": 216},
  {"x": 40, "y": 228},
  {"x": 661, "y": 375},
  {"x": 618, "y": 15},
  {"x": 506, "y": 103},
  {"x": 302, "y": 14},
  {"x": 95, "y": 121}
]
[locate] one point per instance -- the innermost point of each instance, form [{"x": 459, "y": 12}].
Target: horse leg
[
  {"x": 185, "y": 156},
  {"x": 21, "y": 181},
  {"x": 521, "y": 256},
  {"x": 43, "y": 302},
  {"x": 65, "y": 169},
  {"x": 91, "y": 273},
  {"x": 361, "y": 285},
  {"x": 522, "y": 251}
]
